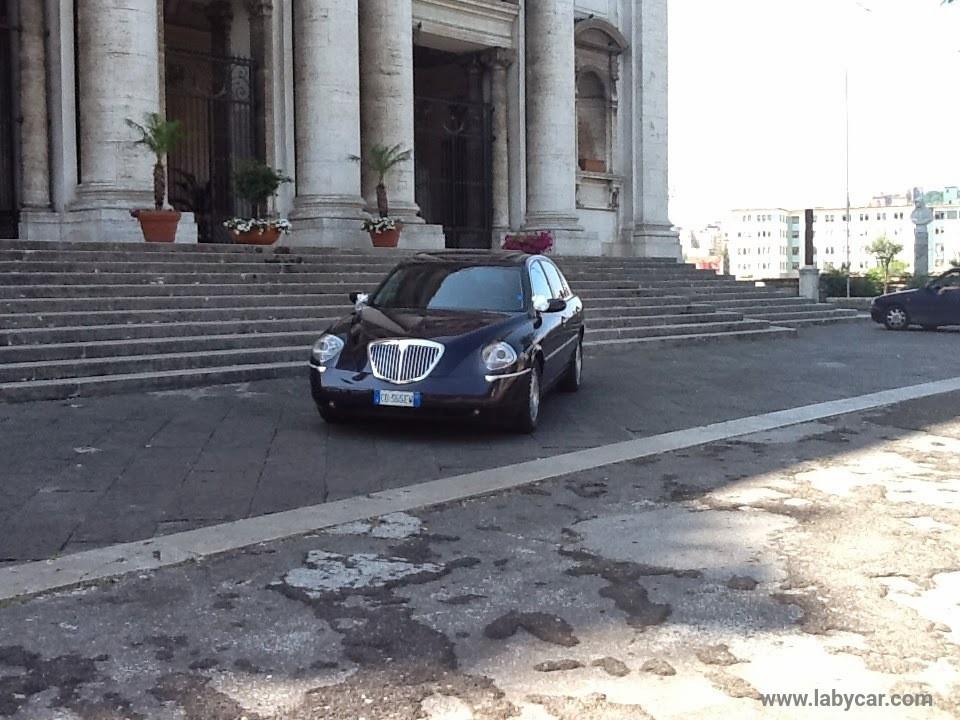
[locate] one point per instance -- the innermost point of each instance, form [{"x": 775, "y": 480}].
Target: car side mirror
[
  {"x": 359, "y": 299},
  {"x": 544, "y": 305}
]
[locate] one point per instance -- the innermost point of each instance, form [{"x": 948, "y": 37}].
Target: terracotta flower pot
[
  {"x": 386, "y": 239},
  {"x": 267, "y": 236},
  {"x": 158, "y": 225}
]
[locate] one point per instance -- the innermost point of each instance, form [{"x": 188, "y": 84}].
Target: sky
[{"x": 757, "y": 102}]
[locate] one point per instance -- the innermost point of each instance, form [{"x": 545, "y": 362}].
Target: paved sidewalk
[
  {"x": 92, "y": 472},
  {"x": 822, "y": 556}
]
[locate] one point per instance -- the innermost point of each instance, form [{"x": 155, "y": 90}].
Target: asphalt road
[{"x": 92, "y": 472}]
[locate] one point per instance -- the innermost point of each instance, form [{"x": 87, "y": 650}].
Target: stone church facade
[{"x": 521, "y": 114}]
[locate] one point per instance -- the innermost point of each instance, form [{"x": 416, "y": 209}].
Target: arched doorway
[{"x": 8, "y": 168}]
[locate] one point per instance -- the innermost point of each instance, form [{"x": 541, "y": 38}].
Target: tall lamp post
[{"x": 846, "y": 104}]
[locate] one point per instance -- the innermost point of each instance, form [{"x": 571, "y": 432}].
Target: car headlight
[
  {"x": 327, "y": 348},
  {"x": 499, "y": 356}
]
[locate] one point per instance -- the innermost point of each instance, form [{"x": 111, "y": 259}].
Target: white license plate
[{"x": 396, "y": 398}]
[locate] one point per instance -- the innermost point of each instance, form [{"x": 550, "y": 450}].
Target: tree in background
[{"x": 885, "y": 251}]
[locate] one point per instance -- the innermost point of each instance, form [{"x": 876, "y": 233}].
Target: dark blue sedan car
[
  {"x": 480, "y": 335},
  {"x": 930, "y": 307}
]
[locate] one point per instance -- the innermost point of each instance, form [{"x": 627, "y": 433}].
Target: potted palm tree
[
  {"x": 257, "y": 183},
  {"x": 384, "y": 230},
  {"x": 160, "y": 136}
]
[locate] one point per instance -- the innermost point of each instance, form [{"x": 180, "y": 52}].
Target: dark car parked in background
[
  {"x": 931, "y": 307},
  {"x": 474, "y": 334}
]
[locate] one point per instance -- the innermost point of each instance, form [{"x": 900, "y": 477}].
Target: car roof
[{"x": 471, "y": 257}]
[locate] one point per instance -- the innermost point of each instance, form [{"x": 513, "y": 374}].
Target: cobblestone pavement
[
  {"x": 98, "y": 471},
  {"x": 823, "y": 557}
]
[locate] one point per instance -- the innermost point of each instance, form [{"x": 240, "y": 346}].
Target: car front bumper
[
  {"x": 352, "y": 392},
  {"x": 876, "y": 313}
]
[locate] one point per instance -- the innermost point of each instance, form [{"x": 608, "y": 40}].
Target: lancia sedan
[
  {"x": 454, "y": 333},
  {"x": 936, "y": 304}
]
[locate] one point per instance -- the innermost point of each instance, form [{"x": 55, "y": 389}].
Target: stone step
[
  {"x": 717, "y": 295},
  {"x": 599, "y": 347},
  {"x": 317, "y": 271},
  {"x": 815, "y": 312},
  {"x": 661, "y": 330},
  {"x": 768, "y": 302},
  {"x": 353, "y": 262},
  {"x": 646, "y": 310},
  {"x": 170, "y": 290},
  {"x": 626, "y": 323},
  {"x": 146, "y": 381},
  {"x": 95, "y": 333},
  {"x": 825, "y": 320},
  {"x": 152, "y": 346},
  {"x": 124, "y": 365},
  {"x": 603, "y": 295},
  {"x": 147, "y": 317},
  {"x": 54, "y": 305},
  {"x": 323, "y": 280},
  {"x": 202, "y": 248}
]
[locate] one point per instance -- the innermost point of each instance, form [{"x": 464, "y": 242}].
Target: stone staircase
[{"x": 98, "y": 318}]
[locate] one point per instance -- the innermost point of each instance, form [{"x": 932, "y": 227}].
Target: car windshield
[{"x": 429, "y": 286}]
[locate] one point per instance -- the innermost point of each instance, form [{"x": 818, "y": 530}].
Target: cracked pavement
[{"x": 819, "y": 556}]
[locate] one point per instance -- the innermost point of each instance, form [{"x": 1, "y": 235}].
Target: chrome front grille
[{"x": 403, "y": 361}]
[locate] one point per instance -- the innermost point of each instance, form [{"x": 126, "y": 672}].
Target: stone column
[
  {"x": 117, "y": 41},
  {"x": 35, "y": 144},
  {"x": 653, "y": 233},
  {"x": 328, "y": 206},
  {"x": 386, "y": 98},
  {"x": 498, "y": 61},
  {"x": 262, "y": 51},
  {"x": 551, "y": 116}
]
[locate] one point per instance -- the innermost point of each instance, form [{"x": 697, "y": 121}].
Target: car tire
[
  {"x": 528, "y": 417},
  {"x": 896, "y": 318},
  {"x": 573, "y": 378}
]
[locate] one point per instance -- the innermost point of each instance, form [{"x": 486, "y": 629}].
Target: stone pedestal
[
  {"x": 551, "y": 117},
  {"x": 810, "y": 283},
  {"x": 328, "y": 208},
  {"x": 116, "y": 41}
]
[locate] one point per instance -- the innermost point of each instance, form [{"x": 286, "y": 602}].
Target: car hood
[
  {"x": 899, "y": 295},
  {"x": 461, "y": 332}
]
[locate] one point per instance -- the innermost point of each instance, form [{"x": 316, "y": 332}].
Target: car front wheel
[
  {"x": 529, "y": 415},
  {"x": 573, "y": 377},
  {"x": 896, "y": 318}
]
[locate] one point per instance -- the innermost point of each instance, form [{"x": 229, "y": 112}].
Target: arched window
[
  {"x": 599, "y": 47},
  {"x": 592, "y": 123}
]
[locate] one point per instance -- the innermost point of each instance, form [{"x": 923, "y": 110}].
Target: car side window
[
  {"x": 556, "y": 282},
  {"x": 538, "y": 281}
]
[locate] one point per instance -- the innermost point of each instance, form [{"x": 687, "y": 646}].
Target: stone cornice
[{"x": 482, "y": 22}]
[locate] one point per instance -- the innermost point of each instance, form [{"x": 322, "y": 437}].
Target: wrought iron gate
[
  {"x": 213, "y": 97},
  {"x": 453, "y": 169},
  {"x": 8, "y": 185}
]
